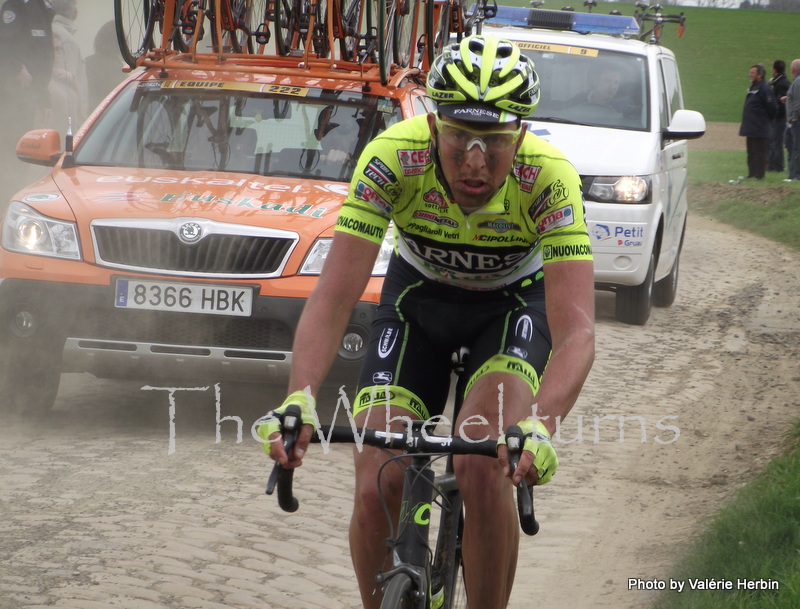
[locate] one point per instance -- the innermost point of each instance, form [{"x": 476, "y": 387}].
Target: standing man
[
  {"x": 760, "y": 107},
  {"x": 780, "y": 85},
  {"x": 793, "y": 121},
  {"x": 26, "y": 64},
  {"x": 491, "y": 253}
]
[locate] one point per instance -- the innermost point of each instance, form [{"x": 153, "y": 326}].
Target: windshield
[
  {"x": 590, "y": 87},
  {"x": 237, "y": 127}
]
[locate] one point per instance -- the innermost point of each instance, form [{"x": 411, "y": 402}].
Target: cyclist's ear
[
  {"x": 432, "y": 125},
  {"x": 521, "y": 136}
]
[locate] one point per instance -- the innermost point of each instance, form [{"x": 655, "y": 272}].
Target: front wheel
[
  {"x": 397, "y": 594},
  {"x": 633, "y": 303}
]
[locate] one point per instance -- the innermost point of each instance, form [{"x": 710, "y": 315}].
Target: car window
[
  {"x": 238, "y": 127},
  {"x": 672, "y": 85},
  {"x": 590, "y": 86}
]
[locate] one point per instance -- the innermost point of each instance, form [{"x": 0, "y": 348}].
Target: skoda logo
[{"x": 190, "y": 232}]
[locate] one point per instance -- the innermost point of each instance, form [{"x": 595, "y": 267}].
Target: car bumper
[
  {"x": 109, "y": 342},
  {"x": 622, "y": 238}
]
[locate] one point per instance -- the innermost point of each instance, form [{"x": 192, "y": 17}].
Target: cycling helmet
[{"x": 484, "y": 79}]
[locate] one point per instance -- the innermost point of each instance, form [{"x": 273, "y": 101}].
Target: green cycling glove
[
  {"x": 271, "y": 422},
  {"x": 545, "y": 459}
]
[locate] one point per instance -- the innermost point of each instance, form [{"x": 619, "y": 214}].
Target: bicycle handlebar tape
[{"x": 290, "y": 426}]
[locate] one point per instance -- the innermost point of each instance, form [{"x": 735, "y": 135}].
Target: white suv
[{"x": 613, "y": 104}]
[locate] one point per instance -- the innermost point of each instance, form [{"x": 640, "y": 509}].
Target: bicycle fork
[{"x": 410, "y": 551}]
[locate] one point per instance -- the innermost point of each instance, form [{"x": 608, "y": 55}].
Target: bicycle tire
[
  {"x": 286, "y": 20},
  {"x": 386, "y": 14},
  {"x": 134, "y": 21},
  {"x": 403, "y": 43},
  {"x": 447, "y": 558},
  {"x": 350, "y": 28},
  {"x": 397, "y": 593}
]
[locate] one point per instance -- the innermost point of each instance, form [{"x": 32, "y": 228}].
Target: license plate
[{"x": 183, "y": 297}]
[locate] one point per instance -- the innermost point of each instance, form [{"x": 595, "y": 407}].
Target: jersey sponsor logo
[
  {"x": 553, "y": 252},
  {"x": 500, "y": 225},
  {"x": 524, "y": 328},
  {"x": 556, "y": 219},
  {"x": 359, "y": 226},
  {"x": 379, "y": 172},
  {"x": 435, "y": 218},
  {"x": 414, "y": 161},
  {"x": 435, "y": 197},
  {"x": 9, "y": 17},
  {"x": 387, "y": 342},
  {"x": 500, "y": 238},
  {"x": 552, "y": 195},
  {"x": 466, "y": 260},
  {"x": 527, "y": 175},
  {"x": 366, "y": 193}
]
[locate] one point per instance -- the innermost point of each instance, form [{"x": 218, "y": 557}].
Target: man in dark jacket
[
  {"x": 780, "y": 85},
  {"x": 760, "y": 108},
  {"x": 26, "y": 49}
]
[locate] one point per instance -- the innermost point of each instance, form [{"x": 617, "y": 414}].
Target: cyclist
[{"x": 489, "y": 234}]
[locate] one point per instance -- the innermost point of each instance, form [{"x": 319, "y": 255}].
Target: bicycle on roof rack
[{"x": 418, "y": 573}]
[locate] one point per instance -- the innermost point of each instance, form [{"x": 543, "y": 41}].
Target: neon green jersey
[{"x": 536, "y": 217}]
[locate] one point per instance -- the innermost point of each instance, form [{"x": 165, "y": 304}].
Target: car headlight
[
  {"x": 319, "y": 251},
  {"x": 617, "y": 189},
  {"x": 28, "y": 232}
]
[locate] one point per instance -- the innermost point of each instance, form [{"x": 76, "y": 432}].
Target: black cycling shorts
[{"x": 420, "y": 323}]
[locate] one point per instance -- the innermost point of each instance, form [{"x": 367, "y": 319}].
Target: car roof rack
[{"x": 305, "y": 65}]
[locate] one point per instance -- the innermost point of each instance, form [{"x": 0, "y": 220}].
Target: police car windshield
[
  {"x": 238, "y": 127},
  {"x": 591, "y": 87}
]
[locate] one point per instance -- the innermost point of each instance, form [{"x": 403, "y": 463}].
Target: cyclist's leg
[
  {"x": 404, "y": 368},
  {"x": 505, "y": 367}
]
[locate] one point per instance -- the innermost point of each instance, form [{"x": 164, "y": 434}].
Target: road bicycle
[{"x": 417, "y": 573}]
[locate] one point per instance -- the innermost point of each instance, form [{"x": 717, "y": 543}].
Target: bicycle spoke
[
  {"x": 135, "y": 21},
  {"x": 403, "y": 38}
]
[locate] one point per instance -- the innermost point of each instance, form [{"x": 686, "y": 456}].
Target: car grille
[{"x": 216, "y": 254}]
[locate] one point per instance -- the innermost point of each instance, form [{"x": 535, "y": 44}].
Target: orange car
[{"x": 182, "y": 235}]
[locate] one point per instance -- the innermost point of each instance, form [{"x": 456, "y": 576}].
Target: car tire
[
  {"x": 29, "y": 378},
  {"x": 633, "y": 303},
  {"x": 666, "y": 289}
]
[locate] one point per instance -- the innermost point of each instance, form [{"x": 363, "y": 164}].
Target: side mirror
[
  {"x": 40, "y": 147},
  {"x": 685, "y": 125}
]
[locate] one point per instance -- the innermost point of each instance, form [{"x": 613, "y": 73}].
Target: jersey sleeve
[
  {"x": 557, "y": 213},
  {"x": 373, "y": 193}
]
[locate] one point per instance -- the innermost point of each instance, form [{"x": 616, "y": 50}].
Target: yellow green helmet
[{"x": 484, "y": 79}]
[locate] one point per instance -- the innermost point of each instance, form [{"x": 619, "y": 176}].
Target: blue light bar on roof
[{"x": 565, "y": 20}]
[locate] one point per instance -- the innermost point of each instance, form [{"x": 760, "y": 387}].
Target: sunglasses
[{"x": 463, "y": 138}]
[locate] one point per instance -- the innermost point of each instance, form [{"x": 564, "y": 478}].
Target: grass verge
[
  {"x": 754, "y": 540},
  {"x": 768, "y": 207}
]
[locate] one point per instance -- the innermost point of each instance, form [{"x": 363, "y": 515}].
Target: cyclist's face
[{"x": 475, "y": 158}]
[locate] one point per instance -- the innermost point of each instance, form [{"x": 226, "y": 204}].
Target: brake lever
[
  {"x": 527, "y": 520},
  {"x": 281, "y": 477}
]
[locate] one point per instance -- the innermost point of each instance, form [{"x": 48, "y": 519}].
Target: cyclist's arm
[
  {"x": 569, "y": 298},
  {"x": 344, "y": 277}
]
